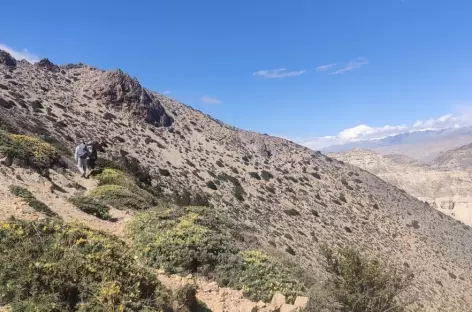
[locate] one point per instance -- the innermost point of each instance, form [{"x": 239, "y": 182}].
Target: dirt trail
[{"x": 56, "y": 192}]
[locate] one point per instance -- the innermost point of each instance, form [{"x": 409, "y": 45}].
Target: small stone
[
  {"x": 261, "y": 304},
  {"x": 6, "y": 161},
  {"x": 161, "y": 271},
  {"x": 247, "y": 306},
  {"x": 278, "y": 300},
  {"x": 190, "y": 276},
  {"x": 288, "y": 308},
  {"x": 222, "y": 292},
  {"x": 301, "y": 302}
]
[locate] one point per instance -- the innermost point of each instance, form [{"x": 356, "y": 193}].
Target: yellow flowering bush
[
  {"x": 180, "y": 240},
  {"x": 120, "y": 197},
  {"x": 259, "y": 276},
  {"x": 29, "y": 151},
  {"x": 51, "y": 266},
  {"x": 197, "y": 239},
  {"x": 111, "y": 176}
]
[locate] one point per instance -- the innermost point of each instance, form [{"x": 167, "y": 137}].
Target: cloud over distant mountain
[
  {"x": 20, "y": 55},
  {"x": 365, "y": 132}
]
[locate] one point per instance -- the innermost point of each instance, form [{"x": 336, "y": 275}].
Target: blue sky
[{"x": 260, "y": 65}]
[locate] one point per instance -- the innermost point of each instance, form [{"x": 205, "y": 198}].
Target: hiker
[
  {"x": 92, "y": 157},
  {"x": 81, "y": 157}
]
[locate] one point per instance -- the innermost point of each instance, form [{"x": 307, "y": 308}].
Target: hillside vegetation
[
  {"x": 182, "y": 193},
  {"x": 71, "y": 267}
]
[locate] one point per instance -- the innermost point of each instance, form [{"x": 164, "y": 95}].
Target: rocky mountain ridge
[{"x": 285, "y": 196}]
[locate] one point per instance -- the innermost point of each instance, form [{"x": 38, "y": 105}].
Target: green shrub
[
  {"x": 128, "y": 164},
  {"x": 29, "y": 151},
  {"x": 120, "y": 197},
  {"x": 255, "y": 175},
  {"x": 50, "y": 266},
  {"x": 181, "y": 240},
  {"x": 31, "y": 200},
  {"x": 111, "y": 176},
  {"x": 115, "y": 177},
  {"x": 362, "y": 284},
  {"x": 266, "y": 175},
  {"x": 259, "y": 276},
  {"x": 197, "y": 239},
  {"x": 91, "y": 206}
]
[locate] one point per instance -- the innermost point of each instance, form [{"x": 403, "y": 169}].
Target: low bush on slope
[
  {"x": 91, "y": 206},
  {"x": 359, "y": 283},
  {"x": 120, "y": 191},
  {"x": 196, "y": 239},
  {"x": 116, "y": 177},
  {"x": 31, "y": 200},
  {"x": 119, "y": 197},
  {"x": 29, "y": 151},
  {"x": 180, "y": 240},
  {"x": 50, "y": 266},
  {"x": 259, "y": 276}
]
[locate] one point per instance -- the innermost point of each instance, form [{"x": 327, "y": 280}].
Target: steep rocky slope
[
  {"x": 446, "y": 190},
  {"x": 285, "y": 196}
]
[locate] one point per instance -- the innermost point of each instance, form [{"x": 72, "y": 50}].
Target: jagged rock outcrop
[
  {"x": 47, "y": 64},
  {"x": 7, "y": 59},
  {"x": 76, "y": 65},
  {"x": 122, "y": 92}
]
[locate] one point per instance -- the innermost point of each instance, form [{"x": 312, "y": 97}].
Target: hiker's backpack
[
  {"x": 83, "y": 151},
  {"x": 92, "y": 151}
]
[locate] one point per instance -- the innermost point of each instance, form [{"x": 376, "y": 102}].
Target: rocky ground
[{"x": 284, "y": 196}]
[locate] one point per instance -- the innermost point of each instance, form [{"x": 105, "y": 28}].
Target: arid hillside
[
  {"x": 455, "y": 159},
  {"x": 283, "y": 196},
  {"x": 446, "y": 189}
]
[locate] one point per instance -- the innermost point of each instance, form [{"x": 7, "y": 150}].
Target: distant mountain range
[{"x": 423, "y": 146}]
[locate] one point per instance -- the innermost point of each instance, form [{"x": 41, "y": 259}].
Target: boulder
[
  {"x": 47, "y": 64},
  {"x": 288, "y": 308},
  {"x": 247, "y": 306},
  {"x": 301, "y": 302},
  {"x": 277, "y": 300},
  {"x": 6, "y": 161}
]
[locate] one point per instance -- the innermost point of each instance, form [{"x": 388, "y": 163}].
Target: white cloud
[
  {"x": 210, "y": 100},
  {"x": 166, "y": 92},
  {"x": 351, "y": 65},
  {"x": 463, "y": 118},
  {"x": 20, "y": 55},
  {"x": 326, "y": 67},
  {"x": 278, "y": 73}
]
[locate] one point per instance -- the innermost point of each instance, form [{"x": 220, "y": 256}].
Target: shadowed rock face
[
  {"x": 7, "y": 59},
  {"x": 125, "y": 93},
  {"x": 47, "y": 64}
]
